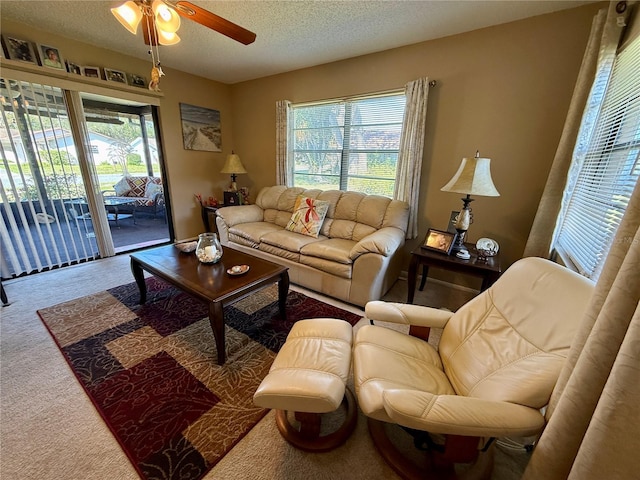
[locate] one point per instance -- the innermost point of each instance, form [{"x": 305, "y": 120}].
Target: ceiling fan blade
[{"x": 215, "y": 22}]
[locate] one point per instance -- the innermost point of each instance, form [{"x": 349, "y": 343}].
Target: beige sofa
[{"x": 356, "y": 256}]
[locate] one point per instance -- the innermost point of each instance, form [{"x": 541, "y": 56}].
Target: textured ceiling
[{"x": 290, "y": 34}]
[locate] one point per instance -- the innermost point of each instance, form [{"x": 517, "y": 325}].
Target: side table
[
  {"x": 489, "y": 270},
  {"x": 205, "y": 216}
]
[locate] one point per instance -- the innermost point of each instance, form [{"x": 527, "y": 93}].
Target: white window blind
[
  {"x": 348, "y": 145},
  {"x": 605, "y": 169}
]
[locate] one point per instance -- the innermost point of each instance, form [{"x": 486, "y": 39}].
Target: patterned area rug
[{"x": 151, "y": 370}]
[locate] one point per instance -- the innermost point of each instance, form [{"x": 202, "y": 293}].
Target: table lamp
[
  {"x": 234, "y": 166},
  {"x": 472, "y": 178}
]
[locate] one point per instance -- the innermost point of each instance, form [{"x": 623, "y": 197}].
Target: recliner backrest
[{"x": 509, "y": 343}]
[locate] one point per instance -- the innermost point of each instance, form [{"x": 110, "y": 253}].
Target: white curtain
[
  {"x": 284, "y": 169},
  {"x": 593, "y": 415},
  {"x": 594, "y": 72},
  {"x": 411, "y": 149}
]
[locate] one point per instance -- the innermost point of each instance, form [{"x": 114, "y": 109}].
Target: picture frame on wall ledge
[
  {"x": 439, "y": 241},
  {"x": 137, "y": 80},
  {"x": 92, "y": 72},
  {"x": 20, "y": 50},
  {"x": 117, "y": 76},
  {"x": 74, "y": 68},
  {"x": 50, "y": 57}
]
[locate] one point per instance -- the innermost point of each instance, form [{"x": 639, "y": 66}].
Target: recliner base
[{"x": 438, "y": 466}]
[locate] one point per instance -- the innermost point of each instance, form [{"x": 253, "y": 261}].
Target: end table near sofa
[
  {"x": 206, "y": 210},
  {"x": 489, "y": 270}
]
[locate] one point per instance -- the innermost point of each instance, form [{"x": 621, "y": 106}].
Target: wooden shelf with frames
[{"x": 7, "y": 65}]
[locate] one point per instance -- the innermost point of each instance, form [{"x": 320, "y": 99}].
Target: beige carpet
[{"x": 49, "y": 429}]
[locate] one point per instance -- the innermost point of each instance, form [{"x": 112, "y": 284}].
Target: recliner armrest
[
  {"x": 407, "y": 314},
  {"x": 460, "y": 415}
]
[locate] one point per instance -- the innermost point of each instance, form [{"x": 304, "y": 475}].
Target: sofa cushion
[
  {"x": 122, "y": 187},
  {"x": 328, "y": 266},
  {"x": 334, "y": 249},
  {"x": 291, "y": 241},
  {"x": 308, "y": 215},
  {"x": 279, "y": 252},
  {"x": 254, "y": 231}
]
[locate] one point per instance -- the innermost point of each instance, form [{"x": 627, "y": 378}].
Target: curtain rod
[{"x": 432, "y": 83}]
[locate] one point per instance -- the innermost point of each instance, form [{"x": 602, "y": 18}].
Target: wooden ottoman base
[{"x": 308, "y": 436}]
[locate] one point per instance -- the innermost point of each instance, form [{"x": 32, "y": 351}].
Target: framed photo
[
  {"x": 93, "y": 72},
  {"x": 439, "y": 241},
  {"x": 21, "y": 50},
  {"x": 232, "y": 198},
  {"x": 115, "y": 76},
  {"x": 74, "y": 68},
  {"x": 137, "y": 80},
  {"x": 50, "y": 57},
  {"x": 200, "y": 128}
]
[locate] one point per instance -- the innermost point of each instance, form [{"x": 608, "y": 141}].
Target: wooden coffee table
[{"x": 211, "y": 283}]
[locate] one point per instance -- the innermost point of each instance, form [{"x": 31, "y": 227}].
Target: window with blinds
[
  {"x": 605, "y": 169},
  {"x": 348, "y": 145}
]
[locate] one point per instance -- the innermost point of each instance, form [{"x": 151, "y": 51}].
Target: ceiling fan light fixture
[
  {"x": 129, "y": 15},
  {"x": 166, "y": 18},
  {"x": 167, "y": 38}
]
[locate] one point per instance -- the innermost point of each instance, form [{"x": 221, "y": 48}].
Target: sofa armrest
[
  {"x": 407, "y": 314},
  {"x": 385, "y": 241},
  {"x": 240, "y": 214}
]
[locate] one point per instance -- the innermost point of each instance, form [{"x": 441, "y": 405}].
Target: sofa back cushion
[{"x": 351, "y": 215}]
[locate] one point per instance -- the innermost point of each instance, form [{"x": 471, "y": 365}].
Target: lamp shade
[
  {"x": 167, "y": 19},
  {"x": 129, "y": 15},
  {"x": 473, "y": 178},
  {"x": 165, "y": 38},
  {"x": 233, "y": 165}
]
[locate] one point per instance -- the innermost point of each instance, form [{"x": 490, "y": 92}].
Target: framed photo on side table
[{"x": 439, "y": 241}]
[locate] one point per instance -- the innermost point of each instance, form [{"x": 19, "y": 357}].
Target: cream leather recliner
[{"x": 497, "y": 362}]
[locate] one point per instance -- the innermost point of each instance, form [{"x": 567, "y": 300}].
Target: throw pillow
[
  {"x": 308, "y": 215},
  {"x": 122, "y": 187},
  {"x": 152, "y": 189},
  {"x": 138, "y": 185}
]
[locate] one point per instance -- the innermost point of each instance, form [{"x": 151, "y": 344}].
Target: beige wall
[
  {"x": 503, "y": 90},
  {"x": 188, "y": 171}
]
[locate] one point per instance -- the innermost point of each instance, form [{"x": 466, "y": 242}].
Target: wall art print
[{"x": 201, "y": 128}]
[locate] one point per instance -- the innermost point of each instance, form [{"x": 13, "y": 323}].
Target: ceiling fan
[{"x": 161, "y": 19}]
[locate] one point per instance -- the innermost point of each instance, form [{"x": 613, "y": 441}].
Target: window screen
[{"x": 348, "y": 145}]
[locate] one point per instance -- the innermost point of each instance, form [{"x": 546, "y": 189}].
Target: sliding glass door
[
  {"x": 60, "y": 152},
  {"x": 126, "y": 155}
]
